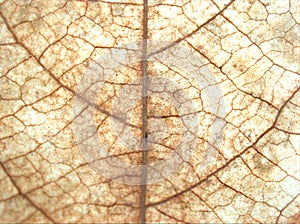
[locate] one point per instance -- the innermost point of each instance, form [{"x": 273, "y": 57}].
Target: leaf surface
[{"x": 220, "y": 118}]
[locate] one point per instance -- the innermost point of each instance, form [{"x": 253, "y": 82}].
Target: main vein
[{"x": 144, "y": 116}]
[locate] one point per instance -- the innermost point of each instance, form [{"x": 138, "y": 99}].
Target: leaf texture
[{"x": 166, "y": 111}]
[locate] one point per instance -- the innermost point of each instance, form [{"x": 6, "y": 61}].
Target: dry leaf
[{"x": 150, "y": 111}]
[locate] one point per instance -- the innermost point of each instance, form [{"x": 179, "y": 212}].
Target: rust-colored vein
[
  {"x": 192, "y": 33},
  {"x": 25, "y": 195},
  {"x": 229, "y": 161},
  {"x": 59, "y": 82}
]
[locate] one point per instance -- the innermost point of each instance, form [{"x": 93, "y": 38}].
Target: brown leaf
[{"x": 149, "y": 111}]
